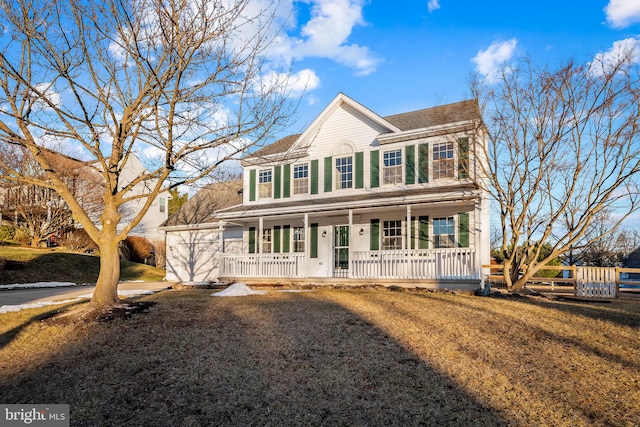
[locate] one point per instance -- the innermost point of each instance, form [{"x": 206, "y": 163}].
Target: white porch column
[
  {"x": 259, "y": 237},
  {"x": 408, "y": 237},
  {"x": 221, "y": 266},
  {"x": 307, "y": 244},
  {"x": 408, "y": 266},
  {"x": 478, "y": 238},
  {"x": 351, "y": 239}
]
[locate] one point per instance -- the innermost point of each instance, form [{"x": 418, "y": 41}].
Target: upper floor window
[
  {"x": 443, "y": 162},
  {"x": 301, "y": 179},
  {"x": 344, "y": 172},
  {"x": 163, "y": 204},
  {"x": 443, "y": 232},
  {"x": 264, "y": 183},
  {"x": 392, "y": 167},
  {"x": 392, "y": 235}
]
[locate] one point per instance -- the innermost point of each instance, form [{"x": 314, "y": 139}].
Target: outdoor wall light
[
  {"x": 361, "y": 231},
  {"x": 324, "y": 233}
]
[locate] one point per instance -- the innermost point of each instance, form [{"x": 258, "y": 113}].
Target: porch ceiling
[{"x": 362, "y": 203}]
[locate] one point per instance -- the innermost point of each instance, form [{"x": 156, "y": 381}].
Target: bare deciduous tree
[
  {"x": 563, "y": 146},
  {"x": 183, "y": 80}
]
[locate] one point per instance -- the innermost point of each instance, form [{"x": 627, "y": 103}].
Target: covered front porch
[
  {"x": 429, "y": 243},
  {"x": 408, "y": 264}
]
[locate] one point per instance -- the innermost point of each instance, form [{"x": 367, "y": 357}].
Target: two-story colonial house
[{"x": 356, "y": 198}]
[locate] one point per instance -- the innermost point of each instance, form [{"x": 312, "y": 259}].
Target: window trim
[
  {"x": 450, "y": 149},
  {"x": 264, "y": 173},
  {"x": 297, "y": 181},
  {"x": 397, "y": 238},
  {"x": 339, "y": 173},
  {"x": 436, "y": 234},
  {"x": 399, "y": 168}
]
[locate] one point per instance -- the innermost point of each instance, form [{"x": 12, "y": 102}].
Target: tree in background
[
  {"x": 177, "y": 199},
  {"x": 185, "y": 82},
  {"x": 562, "y": 147},
  {"x": 39, "y": 212}
]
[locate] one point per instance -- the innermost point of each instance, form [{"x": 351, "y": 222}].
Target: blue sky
[{"x": 400, "y": 56}]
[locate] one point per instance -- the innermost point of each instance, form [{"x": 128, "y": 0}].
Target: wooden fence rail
[{"x": 596, "y": 282}]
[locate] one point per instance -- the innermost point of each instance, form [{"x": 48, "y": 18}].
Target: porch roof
[{"x": 440, "y": 194}]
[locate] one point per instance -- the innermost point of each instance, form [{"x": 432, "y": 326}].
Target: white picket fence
[{"x": 596, "y": 282}]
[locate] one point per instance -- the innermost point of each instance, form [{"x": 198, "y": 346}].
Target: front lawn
[
  {"x": 29, "y": 265},
  {"x": 333, "y": 357}
]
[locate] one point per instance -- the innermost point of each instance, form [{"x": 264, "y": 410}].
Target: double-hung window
[
  {"x": 264, "y": 183},
  {"x": 301, "y": 179},
  {"x": 391, "y": 235},
  {"x": 443, "y": 162},
  {"x": 266, "y": 241},
  {"x": 443, "y": 232},
  {"x": 298, "y": 239},
  {"x": 392, "y": 167},
  {"x": 344, "y": 172}
]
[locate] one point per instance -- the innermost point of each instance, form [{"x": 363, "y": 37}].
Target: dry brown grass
[{"x": 333, "y": 357}]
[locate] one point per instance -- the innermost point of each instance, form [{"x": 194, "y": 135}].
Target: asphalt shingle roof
[{"x": 201, "y": 207}]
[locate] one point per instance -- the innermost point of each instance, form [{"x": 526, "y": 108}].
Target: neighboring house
[
  {"x": 195, "y": 239},
  {"x": 356, "y": 198},
  {"x": 83, "y": 182},
  {"x": 158, "y": 211}
]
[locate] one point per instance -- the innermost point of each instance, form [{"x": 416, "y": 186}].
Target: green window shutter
[
  {"x": 286, "y": 181},
  {"x": 359, "y": 169},
  {"x": 410, "y": 167},
  {"x": 413, "y": 232},
  {"x": 314, "y": 177},
  {"x": 463, "y": 230},
  {"x": 276, "y": 239},
  {"x": 313, "y": 250},
  {"x": 375, "y": 235},
  {"x": 277, "y": 181},
  {"x": 463, "y": 158},
  {"x": 423, "y": 232},
  {"x": 423, "y": 163},
  {"x": 328, "y": 173},
  {"x": 252, "y": 240},
  {"x": 252, "y": 185},
  {"x": 375, "y": 168},
  {"x": 286, "y": 239}
]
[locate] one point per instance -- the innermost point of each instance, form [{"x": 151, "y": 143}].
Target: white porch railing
[
  {"x": 263, "y": 265},
  {"x": 458, "y": 263}
]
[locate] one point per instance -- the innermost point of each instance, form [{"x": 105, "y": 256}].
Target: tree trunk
[{"x": 106, "y": 292}]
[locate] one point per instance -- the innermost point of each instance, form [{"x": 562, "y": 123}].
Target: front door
[{"x": 341, "y": 251}]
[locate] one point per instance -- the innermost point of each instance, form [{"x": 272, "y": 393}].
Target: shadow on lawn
[
  {"x": 7, "y": 337},
  {"x": 280, "y": 359}
]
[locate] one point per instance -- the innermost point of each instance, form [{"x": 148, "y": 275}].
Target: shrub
[
  {"x": 137, "y": 249},
  {"x": 7, "y": 233},
  {"x": 77, "y": 240},
  {"x": 21, "y": 237},
  {"x": 160, "y": 246}
]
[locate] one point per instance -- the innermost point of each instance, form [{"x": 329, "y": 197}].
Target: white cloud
[
  {"x": 303, "y": 81},
  {"x": 326, "y": 35},
  {"x": 623, "y": 52},
  {"x": 287, "y": 84},
  {"x": 489, "y": 61},
  {"x": 433, "y": 5},
  {"x": 622, "y": 13}
]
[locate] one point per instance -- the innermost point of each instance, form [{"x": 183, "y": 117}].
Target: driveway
[{"x": 36, "y": 295}]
